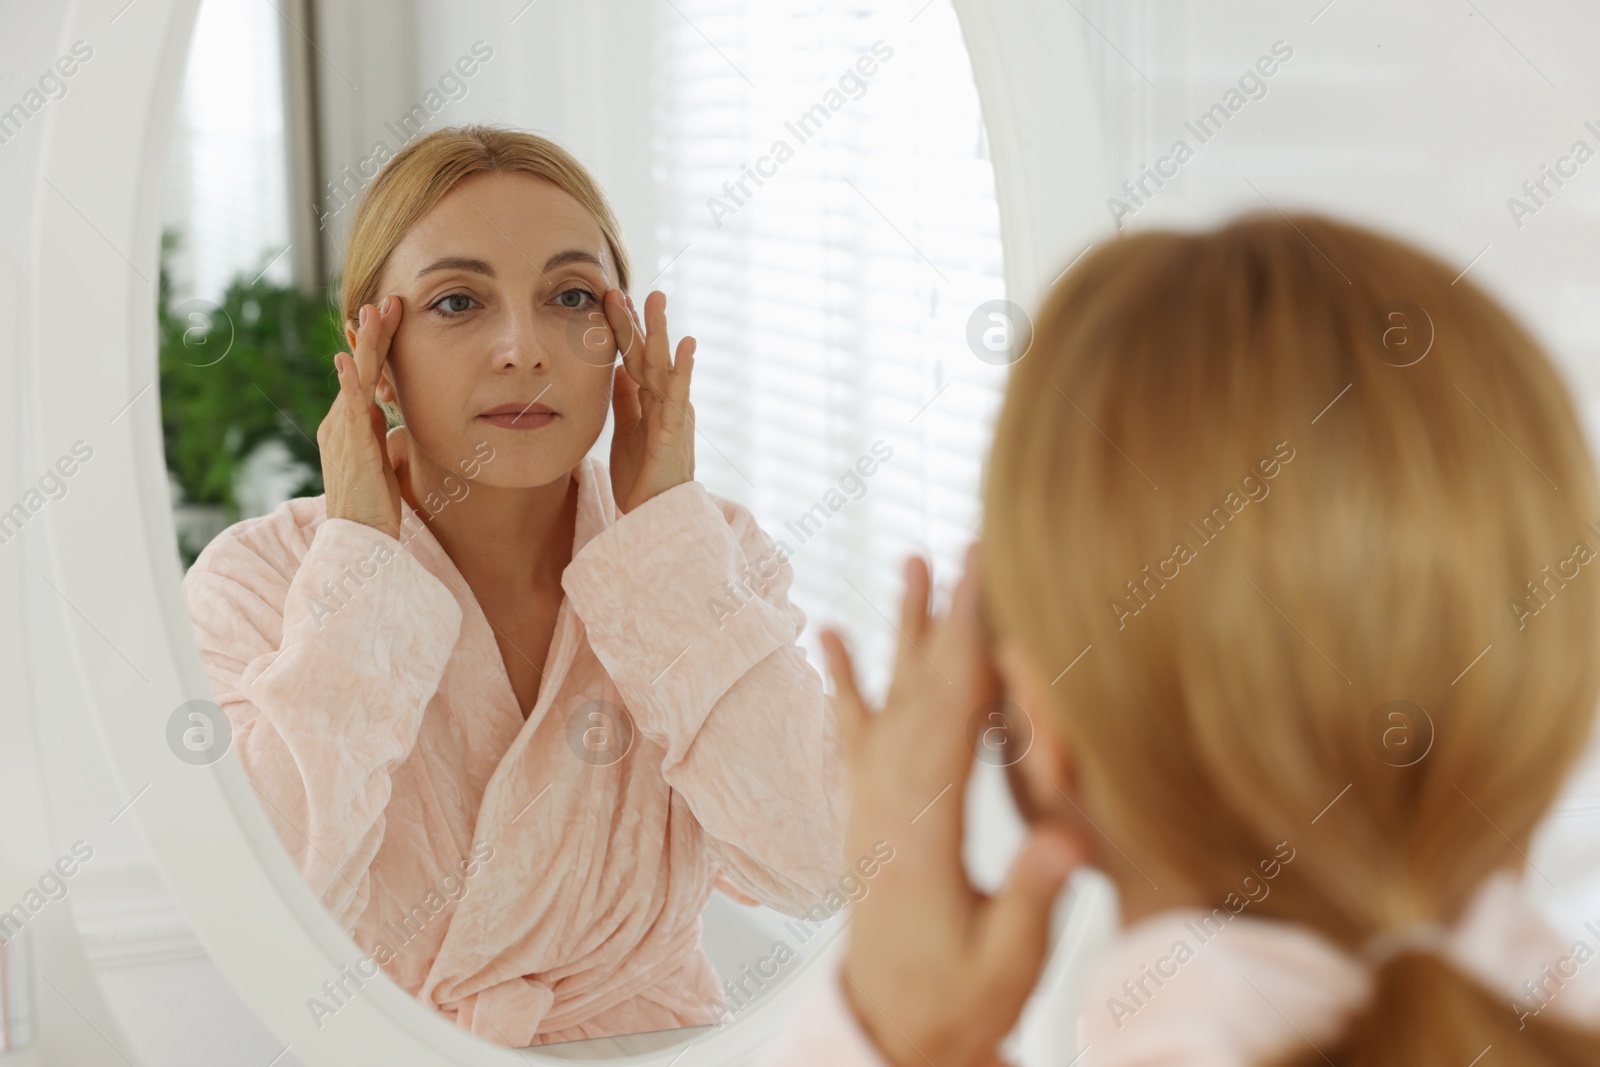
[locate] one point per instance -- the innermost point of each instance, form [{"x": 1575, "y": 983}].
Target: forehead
[{"x": 510, "y": 220}]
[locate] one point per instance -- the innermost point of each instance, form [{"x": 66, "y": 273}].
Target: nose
[{"x": 522, "y": 343}]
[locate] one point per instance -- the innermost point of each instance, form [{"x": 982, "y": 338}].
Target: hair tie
[
  {"x": 1385, "y": 945},
  {"x": 1194, "y": 987}
]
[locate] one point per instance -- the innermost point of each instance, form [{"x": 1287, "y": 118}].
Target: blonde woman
[
  {"x": 1281, "y": 580},
  {"x": 515, "y": 711}
]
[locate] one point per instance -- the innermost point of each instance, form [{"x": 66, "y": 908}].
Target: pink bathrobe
[{"x": 497, "y": 867}]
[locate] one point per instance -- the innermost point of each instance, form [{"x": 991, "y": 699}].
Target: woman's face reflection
[
  {"x": 578, "y": 727},
  {"x": 502, "y": 283}
]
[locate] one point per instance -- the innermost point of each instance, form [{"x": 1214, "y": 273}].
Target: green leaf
[{"x": 257, "y": 368}]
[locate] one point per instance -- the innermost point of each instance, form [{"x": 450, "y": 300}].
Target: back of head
[{"x": 1323, "y": 513}]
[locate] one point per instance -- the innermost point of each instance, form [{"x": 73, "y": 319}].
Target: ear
[{"x": 385, "y": 391}]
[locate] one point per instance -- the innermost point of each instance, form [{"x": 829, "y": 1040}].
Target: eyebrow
[{"x": 478, "y": 266}]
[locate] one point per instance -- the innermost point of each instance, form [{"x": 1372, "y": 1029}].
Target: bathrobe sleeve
[
  {"x": 324, "y": 697},
  {"x": 684, "y": 602}
]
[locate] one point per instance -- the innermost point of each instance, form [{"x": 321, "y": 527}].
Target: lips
[
  {"x": 519, "y": 407},
  {"x": 519, "y": 415}
]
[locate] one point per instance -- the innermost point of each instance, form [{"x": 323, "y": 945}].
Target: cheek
[
  {"x": 594, "y": 385},
  {"x": 420, "y": 359},
  {"x": 427, "y": 371},
  {"x": 587, "y": 337}
]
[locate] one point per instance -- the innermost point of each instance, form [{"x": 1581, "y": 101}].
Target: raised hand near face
[
  {"x": 652, "y": 444},
  {"x": 936, "y": 971},
  {"x": 357, "y": 471}
]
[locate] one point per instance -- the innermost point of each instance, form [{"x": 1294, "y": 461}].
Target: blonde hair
[
  {"x": 422, "y": 172},
  {"x": 1233, "y": 699}
]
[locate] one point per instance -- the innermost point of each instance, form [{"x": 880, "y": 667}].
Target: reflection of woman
[
  {"x": 513, "y": 711},
  {"x": 1302, "y": 887}
]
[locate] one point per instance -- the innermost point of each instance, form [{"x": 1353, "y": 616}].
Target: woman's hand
[
  {"x": 652, "y": 444},
  {"x": 357, "y": 471},
  {"x": 936, "y": 971}
]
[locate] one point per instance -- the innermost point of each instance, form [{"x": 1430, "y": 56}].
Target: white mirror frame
[{"x": 91, "y": 363}]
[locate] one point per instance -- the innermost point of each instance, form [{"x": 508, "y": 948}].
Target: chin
[
  {"x": 527, "y": 463},
  {"x": 531, "y": 473}
]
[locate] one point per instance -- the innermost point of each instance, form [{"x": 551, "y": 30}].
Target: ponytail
[{"x": 1426, "y": 1013}]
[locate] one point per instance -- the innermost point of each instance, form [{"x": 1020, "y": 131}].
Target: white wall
[
  {"x": 1421, "y": 118},
  {"x": 577, "y": 73}
]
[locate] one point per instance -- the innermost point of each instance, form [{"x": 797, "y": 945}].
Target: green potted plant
[{"x": 252, "y": 370}]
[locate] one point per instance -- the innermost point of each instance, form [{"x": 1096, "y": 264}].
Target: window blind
[
  {"x": 226, "y": 191},
  {"x": 830, "y": 294}
]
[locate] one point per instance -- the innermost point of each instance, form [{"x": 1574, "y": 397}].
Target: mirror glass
[{"x": 535, "y": 700}]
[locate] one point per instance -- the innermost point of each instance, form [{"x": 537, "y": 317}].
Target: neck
[{"x": 500, "y": 538}]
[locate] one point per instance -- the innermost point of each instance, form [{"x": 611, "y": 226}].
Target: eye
[
  {"x": 437, "y": 309},
  {"x": 581, "y": 292}
]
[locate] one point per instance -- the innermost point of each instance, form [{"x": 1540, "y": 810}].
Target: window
[
  {"x": 828, "y": 228},
  {"x": 227, "y": 203},
  {"x": 227, "y": 171}
]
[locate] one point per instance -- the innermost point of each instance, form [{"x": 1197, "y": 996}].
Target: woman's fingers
[
  {"x": 357, "y": 455},
  {"x": 1014, "y": 929},
  {"x": 909, "y": 656},
  {"x": 651, "y": 398},
  {"x": 963, "y": 640},
  {"x": 352, "y": 411},
  {"x": 638, "y": 351},
  {"x": 678, "y": 417},
  {"x": 660, "y": 371},
  {"x": 625, "y": 331},
  {"x": 624, "y": 398},
  {"x": 375, "y": 328},
  {"x": 849, "y": 708},
  {"x": 380, "y": 428},
  {"x": 913, "y": 597},
  {"x": 910, "y": 766},
  {"x": 656, "y": 365},
  {"x": 645, "y": 346},
  {"x": 683, "y": 369},
  {"x": 354, "y": 337}
]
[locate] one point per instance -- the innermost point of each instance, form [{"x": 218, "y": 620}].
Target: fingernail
[
  {"x": 383, "y": 308},
  {"x": 629, "y": 299},
  {"x": 361, "y": 316}
]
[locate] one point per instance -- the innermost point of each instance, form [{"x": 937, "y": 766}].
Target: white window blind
[
  {"x": 831, "y": 304},
  {"x": 227, "y": 171}
]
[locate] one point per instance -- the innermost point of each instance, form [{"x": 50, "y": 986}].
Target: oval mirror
[{"x": 849, "y": 209}]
